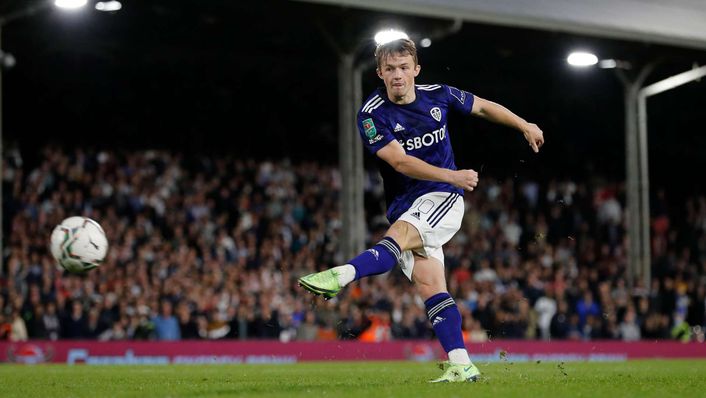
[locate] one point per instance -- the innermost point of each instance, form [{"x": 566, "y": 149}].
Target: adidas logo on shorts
[
  {"x": 437, "y": 320},
  {"x": 416, "y": 215}
]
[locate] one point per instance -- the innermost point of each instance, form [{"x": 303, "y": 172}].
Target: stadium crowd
[{"x": 211, "y": 247}]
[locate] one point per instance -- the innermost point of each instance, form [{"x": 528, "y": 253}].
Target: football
[{"x": 78, "y": 244}]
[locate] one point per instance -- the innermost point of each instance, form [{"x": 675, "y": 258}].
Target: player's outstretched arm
[
  {"x": 499, "y": 114},
  {"x": 413, "y": 167}
]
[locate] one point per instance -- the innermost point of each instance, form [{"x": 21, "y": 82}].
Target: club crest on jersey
[
  {"x": 436, "y": 113},
  {"x": 369, "y": 128}
]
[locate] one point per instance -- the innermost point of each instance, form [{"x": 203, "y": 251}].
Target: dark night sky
[{"x": 259, "y": 79}]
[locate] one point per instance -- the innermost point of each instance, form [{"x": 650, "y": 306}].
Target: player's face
[{"x": 398, "y": 72}]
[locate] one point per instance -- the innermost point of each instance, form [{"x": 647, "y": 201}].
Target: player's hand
[
  {"x": 465, "y": 179},
  {"x": 534, "y": 136}
]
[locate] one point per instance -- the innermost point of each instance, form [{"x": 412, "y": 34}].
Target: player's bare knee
[
  {"x": 405, "y": 234},
  {"x": 395, "y": 233}
]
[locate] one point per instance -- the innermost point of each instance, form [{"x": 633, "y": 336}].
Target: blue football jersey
[{"x": 421, "y": 128}]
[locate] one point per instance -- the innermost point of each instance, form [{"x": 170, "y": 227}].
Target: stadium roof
[{"x": 673, "y": 22}]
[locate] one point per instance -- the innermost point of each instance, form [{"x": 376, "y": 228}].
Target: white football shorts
[{"x": 437, "y": 216}]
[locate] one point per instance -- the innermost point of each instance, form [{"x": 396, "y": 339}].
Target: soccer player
[{"x": 405, "y": 126}]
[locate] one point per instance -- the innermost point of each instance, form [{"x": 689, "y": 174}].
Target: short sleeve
[
  {"x": 459, "y": 100},
  {"x": 374, "y": 133}
]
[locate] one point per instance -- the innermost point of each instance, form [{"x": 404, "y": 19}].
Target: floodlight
[
  {"x": 386, "y": 36},
  {"x": 425, "y": 42},
  {"x": 582, "y": 59},
  {"x": 70, "y": 4},
  {"x": 107, "y": 6}
]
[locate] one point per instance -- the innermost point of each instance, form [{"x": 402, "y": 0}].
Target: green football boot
[
  {"x": 455, "y": 373},
  {"x": 324, "y": 283}
]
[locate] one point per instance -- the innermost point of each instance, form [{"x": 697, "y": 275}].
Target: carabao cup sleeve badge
[{"x": 369, "y": 128}]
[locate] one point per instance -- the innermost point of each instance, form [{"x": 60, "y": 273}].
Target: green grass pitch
[{"x": 642, "y": 379}]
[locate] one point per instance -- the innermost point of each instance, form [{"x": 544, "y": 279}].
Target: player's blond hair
[{"x": 395, "y": 47}]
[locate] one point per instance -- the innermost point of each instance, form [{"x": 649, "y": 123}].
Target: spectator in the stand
[
  {"x": 109, "y": 312},
  {"x": 697, "y": 303},
  {"x": 50, "y": 321},
  {"x": 413, "y": 324},
  {"x": 379, "y": 328},
  {"x": 308, "y": 330},
  {"x": 241, "y": 324},
  {"x": 93, "y": 326},
  {"x": 141, "y": 327},
  {"x": 18, "y": 329},
  {"x": 35, "y": 325},
  {"x": 575, "y": 331},
  {"x": 32, "y": 308},
  {"x": 559, "y": 326},
  {"x": 484, "y": 312},
  {"x": 267, "y": 322},
  {"x": 74, "y": 324},
  {"x": 609, "y": 328},
  {"x": 217, "y": 327},
  {"x": 116, "y": 332},
  {"x": 485, "y": 274},
  {"x": 5, "y": 328},
  {"x": 166, "y": 326},
  {"x": 629, "y": 329},
  {"x": 188, "y": 329},
  {"x": 668, "y": 297},
  {"x": 587, "y": 307},
  {"x": 474, "y": 332},
  {"x": 651, "y": 327},
  {"x": 545, "y": 307},
  {"x": 353, "y": 325},
  {"x": 512, "y": 316},
  {"x": 224, "y": 240}
]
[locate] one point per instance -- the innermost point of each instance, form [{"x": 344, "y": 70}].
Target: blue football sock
[
  {"x": 446, "y": 321},
  {"x": 378, "y": 259}
]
